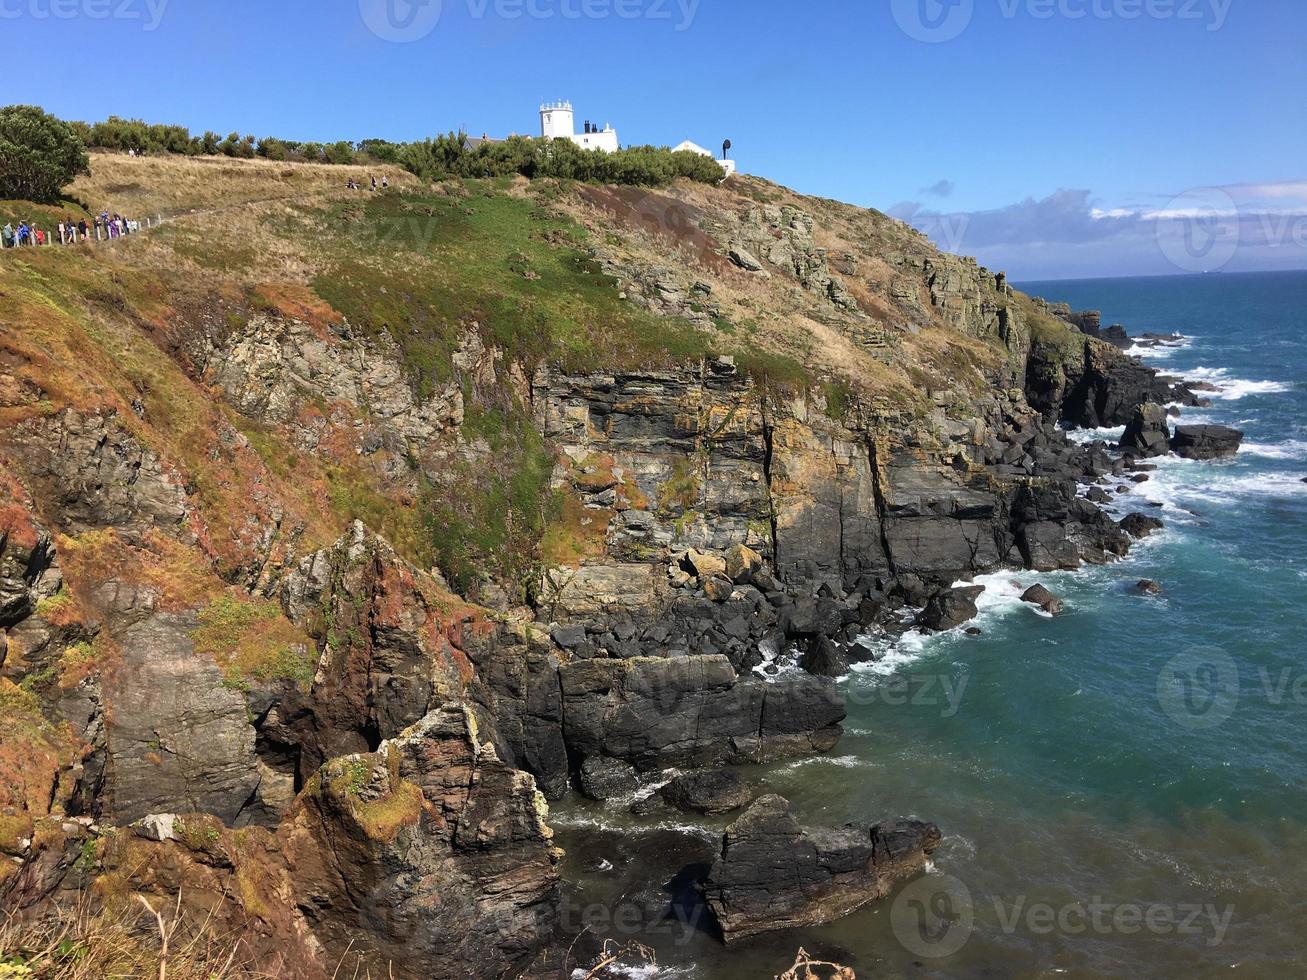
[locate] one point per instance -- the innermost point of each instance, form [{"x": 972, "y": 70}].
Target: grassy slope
[{"x": 422, "y": 266}]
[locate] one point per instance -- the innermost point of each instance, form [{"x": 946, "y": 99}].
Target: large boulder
[
  {"x": 950, "y": 608},
  {"x": 825, "y": 659},
  {"x": 603, "y": 778},
  {"x": 711, "y": 792},
  {"x": 1038, "y": 595},
  {"x": 655, "y": 712},
  {"x": 1206, "y": 441},
  {"x": 773, "y": 873},
  {"x": 1140, "y": 525},
  {"x": 1147, "y": 433},
  {"x": 430, "y": 853},
  {"x": 742, "y": 563}
]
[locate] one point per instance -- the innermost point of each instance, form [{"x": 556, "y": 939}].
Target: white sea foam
[
  {"x": 1180, "y": 485},
  {"x": 891, "y": 654},
  {"x": 1086, "y": 436},
  {"x": 1293, "y": 449},
  {"x": 577, "y": 821},
  {"x": 1231, "y": 389},
  {"x": 651, "y": 971},
  {"x": 1159, "y": 349},
  {"x": 839, "y": 761}
]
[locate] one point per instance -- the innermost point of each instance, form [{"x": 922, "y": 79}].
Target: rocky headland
[{"x": 307, "y": 616}]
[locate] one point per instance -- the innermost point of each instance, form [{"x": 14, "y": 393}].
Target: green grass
[
  {"x": 253, "y": 641},
  {"x": 488, "y": 516},
  {"x": 423, "y": 268}
]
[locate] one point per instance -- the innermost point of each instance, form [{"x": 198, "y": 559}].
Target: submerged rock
[
  {"x": 950, "y": 608},
  {"x": 1140, "y": 525},
  {"x": 712, "y": 791},
  {"x": 1039, "y": 596},
  {"x": 1206, "y": 441},
  {"x": 1148, "y": 587},
  {"x": 775, "y": 874}
]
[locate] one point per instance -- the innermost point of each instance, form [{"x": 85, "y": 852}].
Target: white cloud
[{"x": 1068, "y": 233}]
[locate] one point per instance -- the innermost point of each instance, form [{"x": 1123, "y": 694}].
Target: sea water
[{"x": 1122, "y": 789}]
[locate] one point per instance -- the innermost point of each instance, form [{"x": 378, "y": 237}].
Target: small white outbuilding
[{"x": 727, "y": 165}]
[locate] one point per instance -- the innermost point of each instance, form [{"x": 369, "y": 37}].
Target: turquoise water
[{"x": 1123, "y": 790}]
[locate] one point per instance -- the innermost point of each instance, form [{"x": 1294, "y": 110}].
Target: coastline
[{"x": 1172, "y": 486}]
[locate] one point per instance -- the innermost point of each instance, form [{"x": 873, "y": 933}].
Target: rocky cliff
[{"x": 323, "y": 564}]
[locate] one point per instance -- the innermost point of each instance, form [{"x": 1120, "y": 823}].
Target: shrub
[
  {"x": 39, "y": 154},
  {"x": 451, "y": 156}
]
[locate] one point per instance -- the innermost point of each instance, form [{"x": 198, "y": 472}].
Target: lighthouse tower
[{"x": 557, "y": 121}]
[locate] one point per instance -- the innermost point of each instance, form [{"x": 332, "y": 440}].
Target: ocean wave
[
  {"x": 1159, "y": 349},
  {"x": 839, "y": 761},
  {"x": 1231, "y": 389},
  {"x": 1180, "y": 483},
  {"x": 1294, "y": 449},
  {"x": 577, "y": 821},
  {"x": 1086, "y": 436}
]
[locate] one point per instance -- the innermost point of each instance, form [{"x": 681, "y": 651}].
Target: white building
[
  {"x": 727, "y": 165},
  {"x": 557, "y": 121}
]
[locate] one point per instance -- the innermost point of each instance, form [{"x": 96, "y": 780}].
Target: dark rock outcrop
[
  {"x": 1140, "y": 525},
  {"x": 1206, "y": 441},
  {"x": 1038, "y": 595},
  {"x": 1098, "y": 386},
  {"x": 655, "y": 713},
  {"x": 1147, "y": 433},
  {"x": 602, "y": 778},
  {"x": 824, "y": 658},
  {"x": 711, "y": 792},
  {"x": 422, "y": 850},
  {"x": 950, "y": 608},
  {"x": 179, "y": 741},
  {"x": 774, "y": 874}
]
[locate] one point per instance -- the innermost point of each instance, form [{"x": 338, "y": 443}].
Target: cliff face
[{"x": 306, "y": 610}]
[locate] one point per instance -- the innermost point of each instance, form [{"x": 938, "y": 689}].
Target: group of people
[
  {"x": 354, "y": 185},
  {"x": 101, "y": 227}
]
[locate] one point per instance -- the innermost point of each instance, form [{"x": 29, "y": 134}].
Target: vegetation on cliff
[
  {"x": 39, "y": 154},
  {"x": 445, "y": 156}
]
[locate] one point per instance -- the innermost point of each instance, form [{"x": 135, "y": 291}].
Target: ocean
[{"x": 1122, "y": 789}]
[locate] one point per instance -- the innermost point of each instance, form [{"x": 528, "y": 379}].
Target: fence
[{"x": 72, "y": 235}]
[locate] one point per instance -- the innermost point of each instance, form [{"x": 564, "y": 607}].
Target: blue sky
[{"x": 1053, "y": 138}]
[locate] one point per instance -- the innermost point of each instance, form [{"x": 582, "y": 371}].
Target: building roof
[{"x": 692, "y": 147}]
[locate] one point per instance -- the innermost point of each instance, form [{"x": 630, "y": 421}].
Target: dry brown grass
[
  {"x": 777, "y": 314},
  {"x": 139, "y": 942},
  {"x": 171, "y": 185}
]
